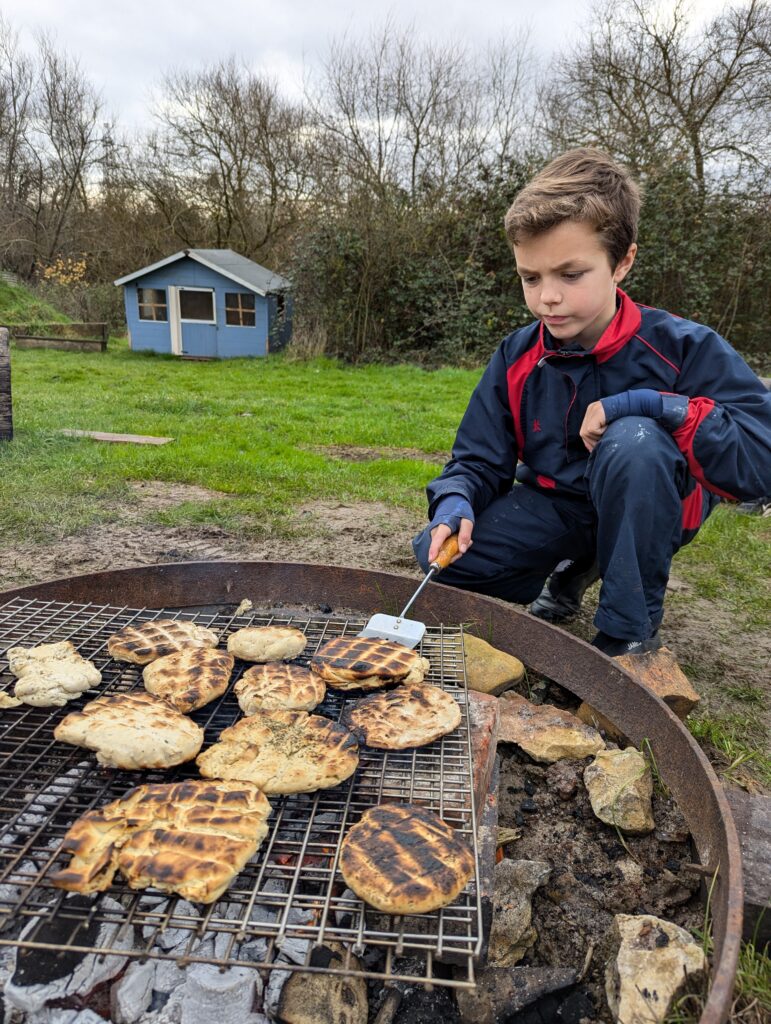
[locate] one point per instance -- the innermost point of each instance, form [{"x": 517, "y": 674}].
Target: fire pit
[{"x": 292, "y": 883}]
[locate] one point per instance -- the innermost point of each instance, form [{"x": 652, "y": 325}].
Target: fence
[{"x": 84, "y": 337}]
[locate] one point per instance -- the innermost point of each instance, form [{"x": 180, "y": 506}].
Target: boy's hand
[
  {"x": 594, "y": 425},
  {"x": 440, "y": 534}
]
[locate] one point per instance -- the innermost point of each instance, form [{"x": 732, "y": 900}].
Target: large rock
[
  {"x": 660, "y": 672},
  {"x": 512, "y": 933},
  {"x": 655, "y": 959},
  {"x": 544, "y": 732},
  {"x": 620, "y": 788},
  {"x": 324, "y": 999},
  {"x": 489, "y": 670}
]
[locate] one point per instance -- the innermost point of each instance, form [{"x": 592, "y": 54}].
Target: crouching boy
[{"x": 622, "y": 425}]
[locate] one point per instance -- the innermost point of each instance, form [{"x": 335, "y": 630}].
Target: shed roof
[{"x": 226, "y": 262}]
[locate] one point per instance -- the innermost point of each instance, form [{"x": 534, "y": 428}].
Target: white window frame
[{"x": 184, "y": 288}]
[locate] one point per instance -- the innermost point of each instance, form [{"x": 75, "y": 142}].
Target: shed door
[{"x": 198, "y": 321}]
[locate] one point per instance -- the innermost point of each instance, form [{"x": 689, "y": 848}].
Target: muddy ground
[{"x": 595, "y": 873}]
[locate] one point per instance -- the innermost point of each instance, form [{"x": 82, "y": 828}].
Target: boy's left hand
[{"x": 594, "y": 425}]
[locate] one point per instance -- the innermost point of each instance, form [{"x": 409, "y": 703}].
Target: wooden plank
[
  {"x": 6, "y": 408},
  {"x": 63, "y": 344},
  {"x": 98, "y": 435},
  {"x": 752, "y": 815}
]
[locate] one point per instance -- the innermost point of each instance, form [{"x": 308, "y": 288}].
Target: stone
[
  {"x": 591, "y": 716},
  {"x": 620, "y": 788},
  {"x": 660, "y": 672},
  {"x": 324, "y": 999},
  {"x": 562, "y": 779},
  {"x": 512, "y": 933},
  {"x": 212, "y": 996},
  {"x": 544, "y": 732},
  {"x": 484, "y": 716},
  {"x": 133, "y": 993},
  {"x": 504, "y": 991},
  {"x": 42, "y": 976},
  {"x": 489, "y": 670},
  {"x": 752, "y": 817},
  {"x": 655, "y": 959}
]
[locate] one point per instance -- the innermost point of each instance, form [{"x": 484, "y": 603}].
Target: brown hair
[{"x": 584, "y": 185}]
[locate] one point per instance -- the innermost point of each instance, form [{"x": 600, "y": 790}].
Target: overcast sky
[{"x": 126, "y": 45}]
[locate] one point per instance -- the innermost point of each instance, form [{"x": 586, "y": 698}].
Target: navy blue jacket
[{"x": 530, "y": 403}]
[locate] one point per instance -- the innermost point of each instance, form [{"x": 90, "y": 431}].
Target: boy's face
[{"x": 568, "y": 281}]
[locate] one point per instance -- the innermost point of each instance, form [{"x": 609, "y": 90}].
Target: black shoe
[
  {"x": 561, "y": 597},
  {"x": 615, "y": 648}
]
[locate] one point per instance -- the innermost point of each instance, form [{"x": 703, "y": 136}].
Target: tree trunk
[{"x": 6, "y": 413}]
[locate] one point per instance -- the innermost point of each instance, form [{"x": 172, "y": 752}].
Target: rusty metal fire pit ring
[{"x": 544, "y": 648}]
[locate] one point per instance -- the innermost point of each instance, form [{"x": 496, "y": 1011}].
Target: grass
[
  {"x": 18, "y": 305},
  {"x": 254, "y": 430},
  {"x": 734, "y": 737}
]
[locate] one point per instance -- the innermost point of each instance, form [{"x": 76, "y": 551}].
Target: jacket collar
[{"x": 621, "y": 329}]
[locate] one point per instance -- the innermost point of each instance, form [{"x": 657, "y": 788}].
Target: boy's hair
[{"x": 584, "y": 185}]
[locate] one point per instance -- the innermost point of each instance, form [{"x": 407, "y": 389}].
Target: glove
[
  {"x": 449, "y": 511},
  {"x": 669, "y": 410}
]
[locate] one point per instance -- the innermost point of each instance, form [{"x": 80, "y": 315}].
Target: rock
[
  {"x": 324, "y": 999},
  {"x": 562, "y": 779},
  {"x": 133, "y": 993},
  {"x": 512, "y": 934},
  {"x": 660, "y": 672},
  {"x": 620, "y": 788},
  {"x": 489, "y": 670},
  {"x": 654, "y": 959},
  {"x": 591, "y": 716},
  {"x": 544, "y": 732},
  {"x": 503, "y": 991},
  {"x": 212, "y": 996}
]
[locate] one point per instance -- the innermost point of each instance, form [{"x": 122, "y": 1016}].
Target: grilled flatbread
[
  {"x": 275, "y": 686},
  {"x": 132, "y": 730},
  {"x": 150, "y": 640},
  {"x": 404, "y": 859},
  {"x": 190, "y": 837},
  {"x": 366, "y": 663},
  {"x": 191, "y": 678},
  {"x": 409, "y": 716},
  {"x": 267, "y": 643},
  {"x": 51, "y": 674},
  {"x": 283, "y": 752}
]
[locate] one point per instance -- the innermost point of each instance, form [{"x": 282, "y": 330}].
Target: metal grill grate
[{"x": 292, "y": 888}]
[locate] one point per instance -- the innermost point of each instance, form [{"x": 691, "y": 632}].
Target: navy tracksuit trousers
[{"x": 632, "y": 524}]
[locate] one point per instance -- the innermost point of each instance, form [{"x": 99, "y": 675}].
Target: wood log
[{"x": 6, "y": 410}]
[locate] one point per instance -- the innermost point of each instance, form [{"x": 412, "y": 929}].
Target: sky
[{"x": 125, "y": 46}]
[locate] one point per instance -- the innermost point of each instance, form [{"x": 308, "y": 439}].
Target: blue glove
[
  {"x": 449, "y": 511},
  {"x": 669, "y": 410}
]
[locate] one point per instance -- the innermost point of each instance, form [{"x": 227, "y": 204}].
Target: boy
[{"x": 622, "y": 425}]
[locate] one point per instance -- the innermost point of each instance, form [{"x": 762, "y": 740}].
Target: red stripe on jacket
[
  {"x": 516, "y": 376},
  {"x": 698, "y": 410},
  {"x": 693, "y": 506},
  {"x": 621, "y": 329}
]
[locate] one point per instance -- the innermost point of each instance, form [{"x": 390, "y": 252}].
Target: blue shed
[{"x": 207, "y": 303}]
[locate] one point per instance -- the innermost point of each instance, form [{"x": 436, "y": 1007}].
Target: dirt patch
[
  {"x": 357, "y": 453},
  {"x": 161, "y": 494}
]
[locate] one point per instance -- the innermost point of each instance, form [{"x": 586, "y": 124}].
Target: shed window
[
  {"x": 239, "y": 309},
  {"x": 196, "y": 304},
  {"x": 152, "y": 304}
]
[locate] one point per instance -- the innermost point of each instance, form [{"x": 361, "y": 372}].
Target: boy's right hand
[{"x": 440, "y": 534}]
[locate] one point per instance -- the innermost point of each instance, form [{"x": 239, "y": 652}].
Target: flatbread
[
  {"x": 411, "y": 715},
  {"x": 49, "y": 675},
  {"x": 150, "y": 640},
  {"x": 267, "y": 643},
  {"x": 132, "y": 730},
  {"x": 191, "y": 837},
  {"x": 191, "y": 678},
  {"x": 366, "y": 663},
  {"x": 404, "y": 859},
  {"x": 283, "y": 752},
  {"x": 275, "y": 686}
]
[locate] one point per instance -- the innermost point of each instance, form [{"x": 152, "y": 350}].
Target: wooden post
[{"x": 6, "y": 412}]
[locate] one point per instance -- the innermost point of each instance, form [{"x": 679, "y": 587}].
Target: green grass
[
  {"x": 252, "y": 429},
  {"x": 738, "y": 740},
  {"x": 18, "y": 305}
]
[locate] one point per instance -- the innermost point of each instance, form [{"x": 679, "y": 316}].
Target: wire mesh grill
[{"x": 291, "y": 897}]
